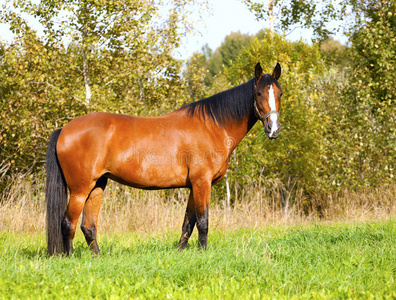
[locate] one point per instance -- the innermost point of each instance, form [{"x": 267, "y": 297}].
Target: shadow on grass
[
  {"x": 29, "y": 253},
  {"x": 110, "y": 247}
]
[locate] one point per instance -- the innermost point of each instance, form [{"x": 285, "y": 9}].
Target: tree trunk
[
  {"x": 271, "y": 16},
  {"x": 85, "y": 49},
  {"x": 227, "y": 189},
  {"x": 88, "y": 93}
]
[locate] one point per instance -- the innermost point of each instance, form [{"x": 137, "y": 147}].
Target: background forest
[{"x": 338, "y": 108}]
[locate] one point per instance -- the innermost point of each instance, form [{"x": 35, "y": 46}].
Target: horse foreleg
[
  {"x": 189, "y": 222},
  {"x": 91, "y": 213},
  {"x": 201, "y": 193}
]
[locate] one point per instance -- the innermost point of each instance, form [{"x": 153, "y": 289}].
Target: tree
[
  {"x": 36, "y": 96},
  {"x": 372, "y": 92},
  {"x": 334, "y": 52},
  {"x": 118, "y": 28},
  {"x": 288, "y": 15},
  {"x": 295, "y": 155},
  {"x": 374, "y": 52},
  {"x": 107, "y": 55},
  {"x": 211, "y": 63}
]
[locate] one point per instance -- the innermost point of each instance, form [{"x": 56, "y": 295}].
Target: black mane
[{"x": 229, "y": 106}]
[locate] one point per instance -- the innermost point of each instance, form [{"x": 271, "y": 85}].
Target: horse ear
[
  {"x": 277, "y": 71},
  {"x": 258, "y": 72}
]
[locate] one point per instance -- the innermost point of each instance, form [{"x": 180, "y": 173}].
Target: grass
[
  {"x": 259, "y": 248},
  {"x": 335, "y": 261},
  {"x": 22, "y": 208}
]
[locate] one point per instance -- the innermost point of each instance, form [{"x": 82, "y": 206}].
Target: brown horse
[{"x": 189, "y": 147}]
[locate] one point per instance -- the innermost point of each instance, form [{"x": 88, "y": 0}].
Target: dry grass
[{"x": 22, "y": 208}]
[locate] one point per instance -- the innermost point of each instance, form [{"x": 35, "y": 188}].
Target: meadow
[
  {"x": 312, "y": 215},
  {"x": 335, "y": 261},
  {"x": 256, "y": 250}
]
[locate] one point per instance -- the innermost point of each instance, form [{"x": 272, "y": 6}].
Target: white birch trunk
[
  {"x": 87, "y": 85},
  {"x": 271, "y": 16},
  {"x": 227, "y": 189}
]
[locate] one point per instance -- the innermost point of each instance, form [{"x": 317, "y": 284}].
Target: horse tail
[{"x": 56, "y": 197}]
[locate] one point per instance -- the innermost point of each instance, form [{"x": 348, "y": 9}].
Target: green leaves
[
  {"x": 296, "y": 155},
  {"x": 337, "y": 128},
  {"x": 315, "y": 15},
  {"x": 94, "y": 55},
  {"x": 372, "y": 93}
]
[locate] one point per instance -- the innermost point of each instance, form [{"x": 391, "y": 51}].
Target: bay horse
[{"x": 187, "y": 148}]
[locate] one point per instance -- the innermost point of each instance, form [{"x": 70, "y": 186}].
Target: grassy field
[
  {"x": 258, "y": 248},
  {"x": 332, "y": 260}
]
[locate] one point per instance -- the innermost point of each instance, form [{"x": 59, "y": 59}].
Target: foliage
[
  {"x": 195, "y": 75},
  {"x": 296, "y": 155},
  {"x": 372, "y": 94},
  {"x": 333, "y": 52},
  {"x": 337, "y": 132},
  {"x": 338, "y": 109},
  {"x": 338, "y": 118},
  {"x": 324, "y": 261},
  {"x": 32, "y": 102},
  {"x": 374, "y": 55},
  {"x": 118, "y": 52},
  {"x": 213, "y": 62},
  {"x": 315, "y": 15},
  {"x": 360, "y": 138}
]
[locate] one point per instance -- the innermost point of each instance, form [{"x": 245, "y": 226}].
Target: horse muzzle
[{"x": 272, "y": 129}]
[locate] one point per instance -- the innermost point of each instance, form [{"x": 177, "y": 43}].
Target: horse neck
[{"x": 237, "y": 131}]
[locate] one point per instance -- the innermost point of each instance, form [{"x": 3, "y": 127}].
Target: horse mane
[{"x": 228, "y": 106}]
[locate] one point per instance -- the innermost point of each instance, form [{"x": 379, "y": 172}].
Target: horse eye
[{"x": 258, "y": 94}]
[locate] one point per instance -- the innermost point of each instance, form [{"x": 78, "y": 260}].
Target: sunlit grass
[
  {"x": 256, "y": 249},
  {"x": 325, "y": 261}
]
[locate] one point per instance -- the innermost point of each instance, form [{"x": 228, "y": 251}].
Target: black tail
[{"x": 55, "y": 196}]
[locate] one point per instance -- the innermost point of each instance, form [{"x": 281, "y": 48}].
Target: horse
[{"x": 187, "y": 148}]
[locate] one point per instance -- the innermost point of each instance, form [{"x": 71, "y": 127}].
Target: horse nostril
[{"x": 268, "y": 126}]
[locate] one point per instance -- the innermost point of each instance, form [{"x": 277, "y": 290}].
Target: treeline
[
  {"x": 113, "y": 56},
  {"x": 338, "y": 108}
]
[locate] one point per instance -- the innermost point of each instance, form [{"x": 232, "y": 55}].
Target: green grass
[{"x": 319, "y": 261}]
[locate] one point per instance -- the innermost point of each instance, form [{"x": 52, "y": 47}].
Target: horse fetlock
[
  {"x": 67, "y": 228},
  {"x": 202, "y": 240},
  {"x": 68, "y": 231},
  {"x": 203, "y": 222},
  {"x": 89, "y": 232}
]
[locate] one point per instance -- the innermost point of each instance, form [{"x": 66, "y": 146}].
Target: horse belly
[{"x": 151, "y": 172}]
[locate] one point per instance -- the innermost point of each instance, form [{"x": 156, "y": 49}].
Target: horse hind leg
[
  {"x": 189, "y": 222},
  {"x": 91, "y": 213},
  {"x": 69, "y": 223}
]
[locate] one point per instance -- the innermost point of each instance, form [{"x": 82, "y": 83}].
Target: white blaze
[{"x": 272, "y": 104}]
